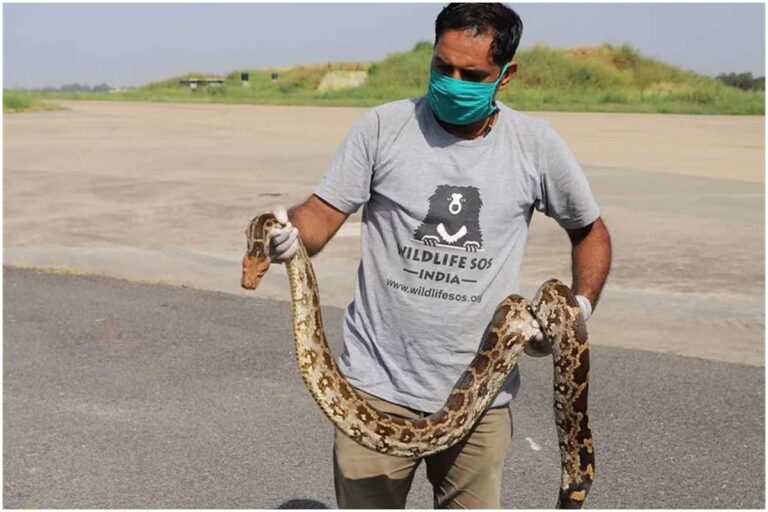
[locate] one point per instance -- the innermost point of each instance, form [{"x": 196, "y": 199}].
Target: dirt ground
[{"x": 163, "y": 192}]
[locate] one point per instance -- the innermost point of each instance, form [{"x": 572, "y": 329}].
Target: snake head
[
  {"x": 256, "y": 260},
  {"x": 254, "y": 268}
]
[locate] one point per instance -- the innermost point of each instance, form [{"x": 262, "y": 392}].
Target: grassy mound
[
  {"x": 598, "y": 79},
  {"x": 603, "y": 79}
]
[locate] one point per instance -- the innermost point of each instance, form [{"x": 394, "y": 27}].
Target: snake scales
[{"x": 509, "y": 332}]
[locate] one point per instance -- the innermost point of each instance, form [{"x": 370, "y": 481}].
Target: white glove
[
  {"x": 283, "y": 242},
  {"x": 539, "y": 343},
  {"x": 585, "y": 306}
]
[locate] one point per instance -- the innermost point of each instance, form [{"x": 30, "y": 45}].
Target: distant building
[{"x": 194, "y": 83}]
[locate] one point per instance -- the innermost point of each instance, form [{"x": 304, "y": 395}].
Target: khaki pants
[{"x": 467, "y": 475}]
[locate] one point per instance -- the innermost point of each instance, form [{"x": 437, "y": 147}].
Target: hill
[{"x": 607, "y": 78}]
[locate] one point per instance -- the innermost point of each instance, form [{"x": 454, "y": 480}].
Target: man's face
[{"x": 463, "y": 55}]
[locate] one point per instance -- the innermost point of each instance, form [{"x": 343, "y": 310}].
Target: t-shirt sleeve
[
  {"x": 346, "y": 184},
  {"x": 564, "y": 192}
]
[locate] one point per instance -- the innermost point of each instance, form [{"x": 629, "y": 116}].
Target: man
[{"x": 448, "y": 184}]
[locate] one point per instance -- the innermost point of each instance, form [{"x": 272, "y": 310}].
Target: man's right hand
[{"x": 283, "y": 242}]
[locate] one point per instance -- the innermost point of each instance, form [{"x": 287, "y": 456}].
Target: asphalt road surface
[{"x": 119, "y": 394}]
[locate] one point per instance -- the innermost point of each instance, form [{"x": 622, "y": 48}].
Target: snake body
[{"x": 509, "y": 332}]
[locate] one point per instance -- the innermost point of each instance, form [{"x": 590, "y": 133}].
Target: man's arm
[
  {"x": 591, "y": 259},
  {"x": 317, "y": 222}
]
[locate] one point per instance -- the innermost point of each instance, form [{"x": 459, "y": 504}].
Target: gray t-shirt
[{"x": 444, "y": 226}]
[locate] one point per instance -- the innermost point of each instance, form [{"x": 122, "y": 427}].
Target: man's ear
[{"x": 508, "y": 75}]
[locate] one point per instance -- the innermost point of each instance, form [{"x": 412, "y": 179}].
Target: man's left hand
[
  {"x": 540, "y": 345},
  {"x": 585, "y": 306}
]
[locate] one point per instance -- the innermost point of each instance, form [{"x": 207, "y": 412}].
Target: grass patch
[
  {"x": 22, "y": 101},
  {"x": 607, "y": 78}
]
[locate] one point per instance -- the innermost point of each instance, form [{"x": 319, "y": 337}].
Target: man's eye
[{"x": 473, "y": 77}]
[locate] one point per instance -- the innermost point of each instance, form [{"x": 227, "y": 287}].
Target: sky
[{"x": 133, "y": 44}]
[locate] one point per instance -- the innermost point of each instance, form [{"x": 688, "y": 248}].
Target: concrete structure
[
  {"x": 194, "y": 83},
  {"x": 335, "y": 80}
]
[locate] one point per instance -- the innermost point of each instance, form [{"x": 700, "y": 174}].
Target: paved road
[
  {"x": 163, "y": 191},
  {"x": 119, "y": 394}
]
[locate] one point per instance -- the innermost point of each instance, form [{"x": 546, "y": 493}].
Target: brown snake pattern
[{"x": 508, "y": 333}]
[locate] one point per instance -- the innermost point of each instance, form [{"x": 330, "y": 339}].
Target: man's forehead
[{"x": 465, "y": 48}]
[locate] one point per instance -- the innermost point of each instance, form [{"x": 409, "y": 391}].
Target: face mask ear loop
[{"x": 494, "y": 108}]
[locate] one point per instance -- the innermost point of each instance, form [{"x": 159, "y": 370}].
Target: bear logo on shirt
[{"x": 453, "y": 219}]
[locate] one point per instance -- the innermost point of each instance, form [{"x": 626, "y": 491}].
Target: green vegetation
[
  {"x": 596, "y": 79},
  {"x": 620, "y": 79},
  {"x": 744, "y": 81},
  {"x": 21, "y": 101}
]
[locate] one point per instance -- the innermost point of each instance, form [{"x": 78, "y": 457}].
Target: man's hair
[{"x": 498, "y": 19}]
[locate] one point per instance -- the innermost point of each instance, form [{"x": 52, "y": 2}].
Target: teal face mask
[{"x": 460, "y": 101}]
